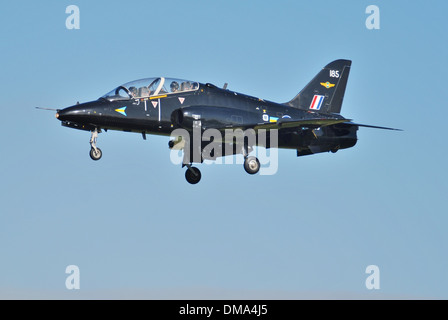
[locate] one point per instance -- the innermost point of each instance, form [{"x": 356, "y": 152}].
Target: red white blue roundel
[{"x": 316, "y": 103}]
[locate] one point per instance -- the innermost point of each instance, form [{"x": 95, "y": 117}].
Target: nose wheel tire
[
  {"x": 193, "y": 175},
  {"x": 251, "y": 165},
  {"x": 96, "y": 154}
]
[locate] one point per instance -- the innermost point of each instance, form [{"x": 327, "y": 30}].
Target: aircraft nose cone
[
  {"x": 70, "y": 114},
  {"x": 62, "y": 114},
  {"x": 80, "y": 113}
]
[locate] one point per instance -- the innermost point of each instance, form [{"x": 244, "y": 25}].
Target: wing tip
[{"x": 370, "y": 126}]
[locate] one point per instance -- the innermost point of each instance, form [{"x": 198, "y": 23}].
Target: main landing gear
[
  {"x": 95, "y": 152},
  {"x": 193, "y": 174},
  {"x": 251, "y": 165}
]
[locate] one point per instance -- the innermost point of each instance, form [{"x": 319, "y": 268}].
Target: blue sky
[{"x": 137, "y": 229}]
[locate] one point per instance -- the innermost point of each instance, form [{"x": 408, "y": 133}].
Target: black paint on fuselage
[{"x": 218, "y": 108}]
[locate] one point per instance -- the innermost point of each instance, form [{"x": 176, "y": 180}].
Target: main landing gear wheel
[
  {"x": 96, "y": 154},
  {"x": 251, "y": 165},
  {"x": 193, "y": 175}
]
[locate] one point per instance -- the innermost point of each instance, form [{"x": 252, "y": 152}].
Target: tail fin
[{"x": 326, "y": 91}]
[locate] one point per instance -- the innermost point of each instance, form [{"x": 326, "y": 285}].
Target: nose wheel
[{"x": 95, "y": 152}]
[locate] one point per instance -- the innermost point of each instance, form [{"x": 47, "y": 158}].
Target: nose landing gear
[{"x": 95, "y": 152}]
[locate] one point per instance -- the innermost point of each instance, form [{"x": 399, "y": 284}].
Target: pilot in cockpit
[
  {"x": 145, "y": 92},
  {"x": 186, "y": 86},
  {"x": 133, "y": 91},
  {"x": 174, "y": 86}
]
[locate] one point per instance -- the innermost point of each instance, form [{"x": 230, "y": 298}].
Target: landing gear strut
[
  {"x": 193, "y": 174},
  {"x": 95, "y": 152}
]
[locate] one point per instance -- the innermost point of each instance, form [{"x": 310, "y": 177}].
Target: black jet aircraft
[{"x": 310, "y": 123}]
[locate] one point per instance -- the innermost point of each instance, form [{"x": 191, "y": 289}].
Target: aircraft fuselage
[
  {"x": 197, "y": 116},
  {"x": 213, "y": 107}
]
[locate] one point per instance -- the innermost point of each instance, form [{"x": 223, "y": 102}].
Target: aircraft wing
[
  {"x": 312, "y": 123},
  {"x": 288, "y": 123}
]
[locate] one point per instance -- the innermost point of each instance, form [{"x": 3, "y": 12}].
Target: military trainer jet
[{"x": 310, "y": 123}]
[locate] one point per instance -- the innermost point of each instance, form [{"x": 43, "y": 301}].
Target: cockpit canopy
[{"x": 148, "y": 87}]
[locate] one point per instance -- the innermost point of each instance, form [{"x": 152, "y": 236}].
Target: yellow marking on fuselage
[{"x": 158, "y": 97}]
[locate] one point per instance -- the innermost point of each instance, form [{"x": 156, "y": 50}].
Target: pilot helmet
[
  {"x": 133, "y": 90},
  {"x": 174, "y": 86}
]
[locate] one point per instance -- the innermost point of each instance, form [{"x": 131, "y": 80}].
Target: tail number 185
[{"x": 334, "y": 73}]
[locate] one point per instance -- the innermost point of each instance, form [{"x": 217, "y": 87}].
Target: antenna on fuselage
[{"x": 225, "y": 86}]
